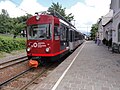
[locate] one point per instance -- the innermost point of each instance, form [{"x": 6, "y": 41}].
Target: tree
[
  {"x": 4, "y": 22},
  {"x": 94, "y": 30},
  {"x": 19, "y": 24},
  {"x": 57, "y": 7},
  {"x": 5, "y": 13},
  {"x": 69, "y": 17},
  {"x": 12, "y": 25},
  {"x": 17, "y": 29},
  {"x": 22, "y": 19}
]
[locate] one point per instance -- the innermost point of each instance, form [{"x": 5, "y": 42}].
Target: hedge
[{"x": 8, "y": 45}]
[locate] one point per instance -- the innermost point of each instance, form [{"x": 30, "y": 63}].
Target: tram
[{"x": 50, "y": 37}]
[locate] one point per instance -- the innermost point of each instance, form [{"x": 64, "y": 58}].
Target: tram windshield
[{"x": 39, "y": 31}]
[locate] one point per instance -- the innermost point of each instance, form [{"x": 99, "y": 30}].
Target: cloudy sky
[{"x": 86, "y": 12}]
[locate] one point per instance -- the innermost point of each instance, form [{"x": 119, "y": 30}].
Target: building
[
  {"x": 105, "y": 26},
  {"x": 100, "y": 29},
  {"x": 115, "y": 6}
]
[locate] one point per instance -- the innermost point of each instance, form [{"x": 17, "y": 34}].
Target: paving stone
[
  {"x": 105, "y": 88},
  {"x": 95, "y": 68}
]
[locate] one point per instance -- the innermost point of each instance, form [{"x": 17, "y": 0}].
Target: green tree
[
  {"x": 5, "y": 22},
  {"x": 12, "y": 25},
  {"x": 22, "y": 19},
  {"x": 57, "y": 7},
  {"x": 94, "y": 30},
  {"x": 69, "y": 17},
  {"x": 5, "y": 13},
  {"x": 19, "y": 24},
  {"x": 17, "y": 29}
]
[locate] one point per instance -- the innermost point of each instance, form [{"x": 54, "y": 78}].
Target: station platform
[{"x": 90, "y": 67}]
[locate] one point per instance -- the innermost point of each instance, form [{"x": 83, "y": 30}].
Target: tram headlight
[
  {"x": 47, "y": 50},
  {"x": 28, "y": 49}
]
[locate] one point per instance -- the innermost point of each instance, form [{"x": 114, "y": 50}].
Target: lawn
[
  {"x": 15, "y": 52},
  {"x": 9, "y": 37}
]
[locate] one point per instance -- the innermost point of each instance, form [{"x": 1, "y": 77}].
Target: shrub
[{"x": 8, "y": 45}]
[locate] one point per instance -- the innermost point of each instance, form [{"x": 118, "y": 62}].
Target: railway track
[
  {"x": 30, "y": 75},
  {"x": 12, "y": 78},
  {"x": 38, "y": 75},
  {"x": 12, "y": 68},
  {"x": 12, "y": 62}
]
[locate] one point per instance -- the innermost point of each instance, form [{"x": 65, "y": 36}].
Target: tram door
[
  {"x": 63, "y": 37},
  {"x": 56, "y": 44}
]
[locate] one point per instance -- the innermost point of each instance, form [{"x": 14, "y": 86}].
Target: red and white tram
[{"x": 49, "y": 37}]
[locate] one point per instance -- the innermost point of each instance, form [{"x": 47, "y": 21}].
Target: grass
[
  {"x": 8, "y": 37},
  {"x": 15, "y": 52},
  {"x": 2, "y": 54}
]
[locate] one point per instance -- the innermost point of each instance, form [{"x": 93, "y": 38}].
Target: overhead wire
[{"x": 17, "y": 5}]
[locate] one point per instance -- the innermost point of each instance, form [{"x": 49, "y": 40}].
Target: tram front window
[{"x": 39, "y": 31}]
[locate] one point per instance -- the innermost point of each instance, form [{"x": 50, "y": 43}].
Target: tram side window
[
  {"x": 56, "y": 32},
  {"x": 80, "y": 37},
  {"x": 76, "y": 36},
  {"x": 70, "y": 36},
  {"x": 67, "y": 34},
  {"x": 63, "y": 33},
  {"x": 48, "y": 32}
]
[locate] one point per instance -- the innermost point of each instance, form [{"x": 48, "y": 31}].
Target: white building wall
[
  {"x": 115, "y": 5},
  {"x": 108, "y": 30},
  {"x": 105, "y": 26},
  {"x": 100, "y": 30},
  {"x": 116, "y": 21}
]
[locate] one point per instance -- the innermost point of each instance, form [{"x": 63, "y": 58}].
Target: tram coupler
[{"x": 33, "y": 63}]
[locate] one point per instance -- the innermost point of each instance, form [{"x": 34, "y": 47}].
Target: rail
[
  {"x": 7, "y": 81},
  {"x": 35, "y": 78},
  {"x": 12, "y": 62}
]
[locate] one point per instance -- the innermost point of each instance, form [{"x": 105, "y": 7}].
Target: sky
[{"x": 86, "y": 12}]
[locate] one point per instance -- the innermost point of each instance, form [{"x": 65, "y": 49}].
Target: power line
[{"x": 17, "y": 5}]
